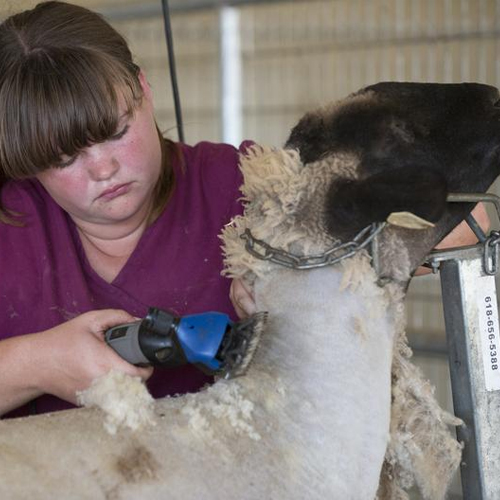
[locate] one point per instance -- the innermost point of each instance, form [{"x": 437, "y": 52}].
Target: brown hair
[{"x": 63, "y": 69}]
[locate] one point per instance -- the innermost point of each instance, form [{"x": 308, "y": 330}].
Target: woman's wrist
[
  {"x": 40, "y": 357},
  {"x": 19, "y": 382}
]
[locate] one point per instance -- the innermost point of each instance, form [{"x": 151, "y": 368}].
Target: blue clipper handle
[{"x": 201, "y": 336}]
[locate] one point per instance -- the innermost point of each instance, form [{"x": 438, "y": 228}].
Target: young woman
[
  {"x": 100, "y": 216},
  {"x": 100, "y": 213}
]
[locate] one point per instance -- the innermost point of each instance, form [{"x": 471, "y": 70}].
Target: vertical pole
[
  {"x": 173, "y": 71},
  {"x": 473, "y": 337},
  {"x": 230, "y": 72}
]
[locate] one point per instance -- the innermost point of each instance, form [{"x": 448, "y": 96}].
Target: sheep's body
[{"x": 302, "y": 436}]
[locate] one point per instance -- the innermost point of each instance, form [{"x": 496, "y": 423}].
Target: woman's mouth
[{"x": 115, "y": 191}]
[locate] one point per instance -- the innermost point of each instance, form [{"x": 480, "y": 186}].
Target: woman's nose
[{"x": 102, "y": 164}]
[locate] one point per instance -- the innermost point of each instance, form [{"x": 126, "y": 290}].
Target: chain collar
[
  {"x": 367, "y": 236},
  {"x": 263, "y": 251}
]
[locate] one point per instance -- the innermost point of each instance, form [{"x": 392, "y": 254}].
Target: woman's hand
[
  {"x": 462, "y": 235},
  {"x": 241, "y": 295},
  {"x": 72, "y": 354}
]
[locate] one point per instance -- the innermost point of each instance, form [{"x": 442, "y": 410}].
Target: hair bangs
[{"x": 62, "y": 108}]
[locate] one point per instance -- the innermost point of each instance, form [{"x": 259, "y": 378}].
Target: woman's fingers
[
  {"x": 463, "y": 235},
  {"x": 242, "y": 298}
]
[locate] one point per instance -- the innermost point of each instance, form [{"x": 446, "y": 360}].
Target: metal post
[
  {"x": 230, "y": 74},
  {"x": 473, "y": 337}
]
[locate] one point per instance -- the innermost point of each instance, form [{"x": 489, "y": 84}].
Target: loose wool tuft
[
  {"x": 421, "y": 451},
  {"x": 124, "y": 400},
  {"x": 223, "y": 401}
]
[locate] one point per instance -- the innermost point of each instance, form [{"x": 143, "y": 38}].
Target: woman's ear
[{"x": 146, "y": 87}]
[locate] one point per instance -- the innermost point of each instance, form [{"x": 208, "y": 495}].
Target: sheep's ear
[
  {"x": 408, "y": 221},
  {"x": 352, "y": 205}
]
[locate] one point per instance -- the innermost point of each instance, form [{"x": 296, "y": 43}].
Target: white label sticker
[{"x": 490, "y": 333}]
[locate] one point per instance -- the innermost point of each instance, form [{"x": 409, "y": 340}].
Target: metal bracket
[
  {"x": 473, "y": 338},
  {"x": 490, "y": 243}
]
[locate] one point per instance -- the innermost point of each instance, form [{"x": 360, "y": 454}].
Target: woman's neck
[{"x": 108, "y": 248}]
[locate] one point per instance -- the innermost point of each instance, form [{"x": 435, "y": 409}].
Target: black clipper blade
[{"x": 240, "y": 344}]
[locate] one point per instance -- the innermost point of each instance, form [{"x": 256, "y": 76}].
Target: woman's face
[{"x": 111, "y": 182}]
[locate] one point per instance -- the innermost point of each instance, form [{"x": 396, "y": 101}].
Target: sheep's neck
[
  {"x": 323, "y": 371},
  {"x": 315, "y": 327}
]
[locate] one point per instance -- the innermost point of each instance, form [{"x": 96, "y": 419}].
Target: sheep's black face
[
  {"x": 407, "y": 122},
  {"x": 415, "y": 143}
]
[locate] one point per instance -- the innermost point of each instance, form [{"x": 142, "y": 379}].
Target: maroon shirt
[{"x": 46, "y": 279}]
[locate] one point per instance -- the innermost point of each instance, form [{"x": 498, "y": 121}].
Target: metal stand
[{"x": 473, "y": 337}]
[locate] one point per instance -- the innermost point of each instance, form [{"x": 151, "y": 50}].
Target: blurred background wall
[{"x": 275, "y": 60}]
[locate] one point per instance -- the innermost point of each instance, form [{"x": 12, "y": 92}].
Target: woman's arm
[
  {"x": 462, "y": 235},
  {"x": 16, "y": 362},
  {"x": 62, "y": 360}
]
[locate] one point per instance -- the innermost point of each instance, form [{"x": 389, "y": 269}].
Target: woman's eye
[
  {"x": 66, "y": 161},
  {"x": 120, "y": 134}
]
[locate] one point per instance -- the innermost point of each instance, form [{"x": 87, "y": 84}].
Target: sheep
[{"x": 331, "y": 406}]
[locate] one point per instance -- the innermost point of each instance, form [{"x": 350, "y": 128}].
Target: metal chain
[
  {"x": 261, "y": 250},
  {"x": 490, "y": 256}
]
